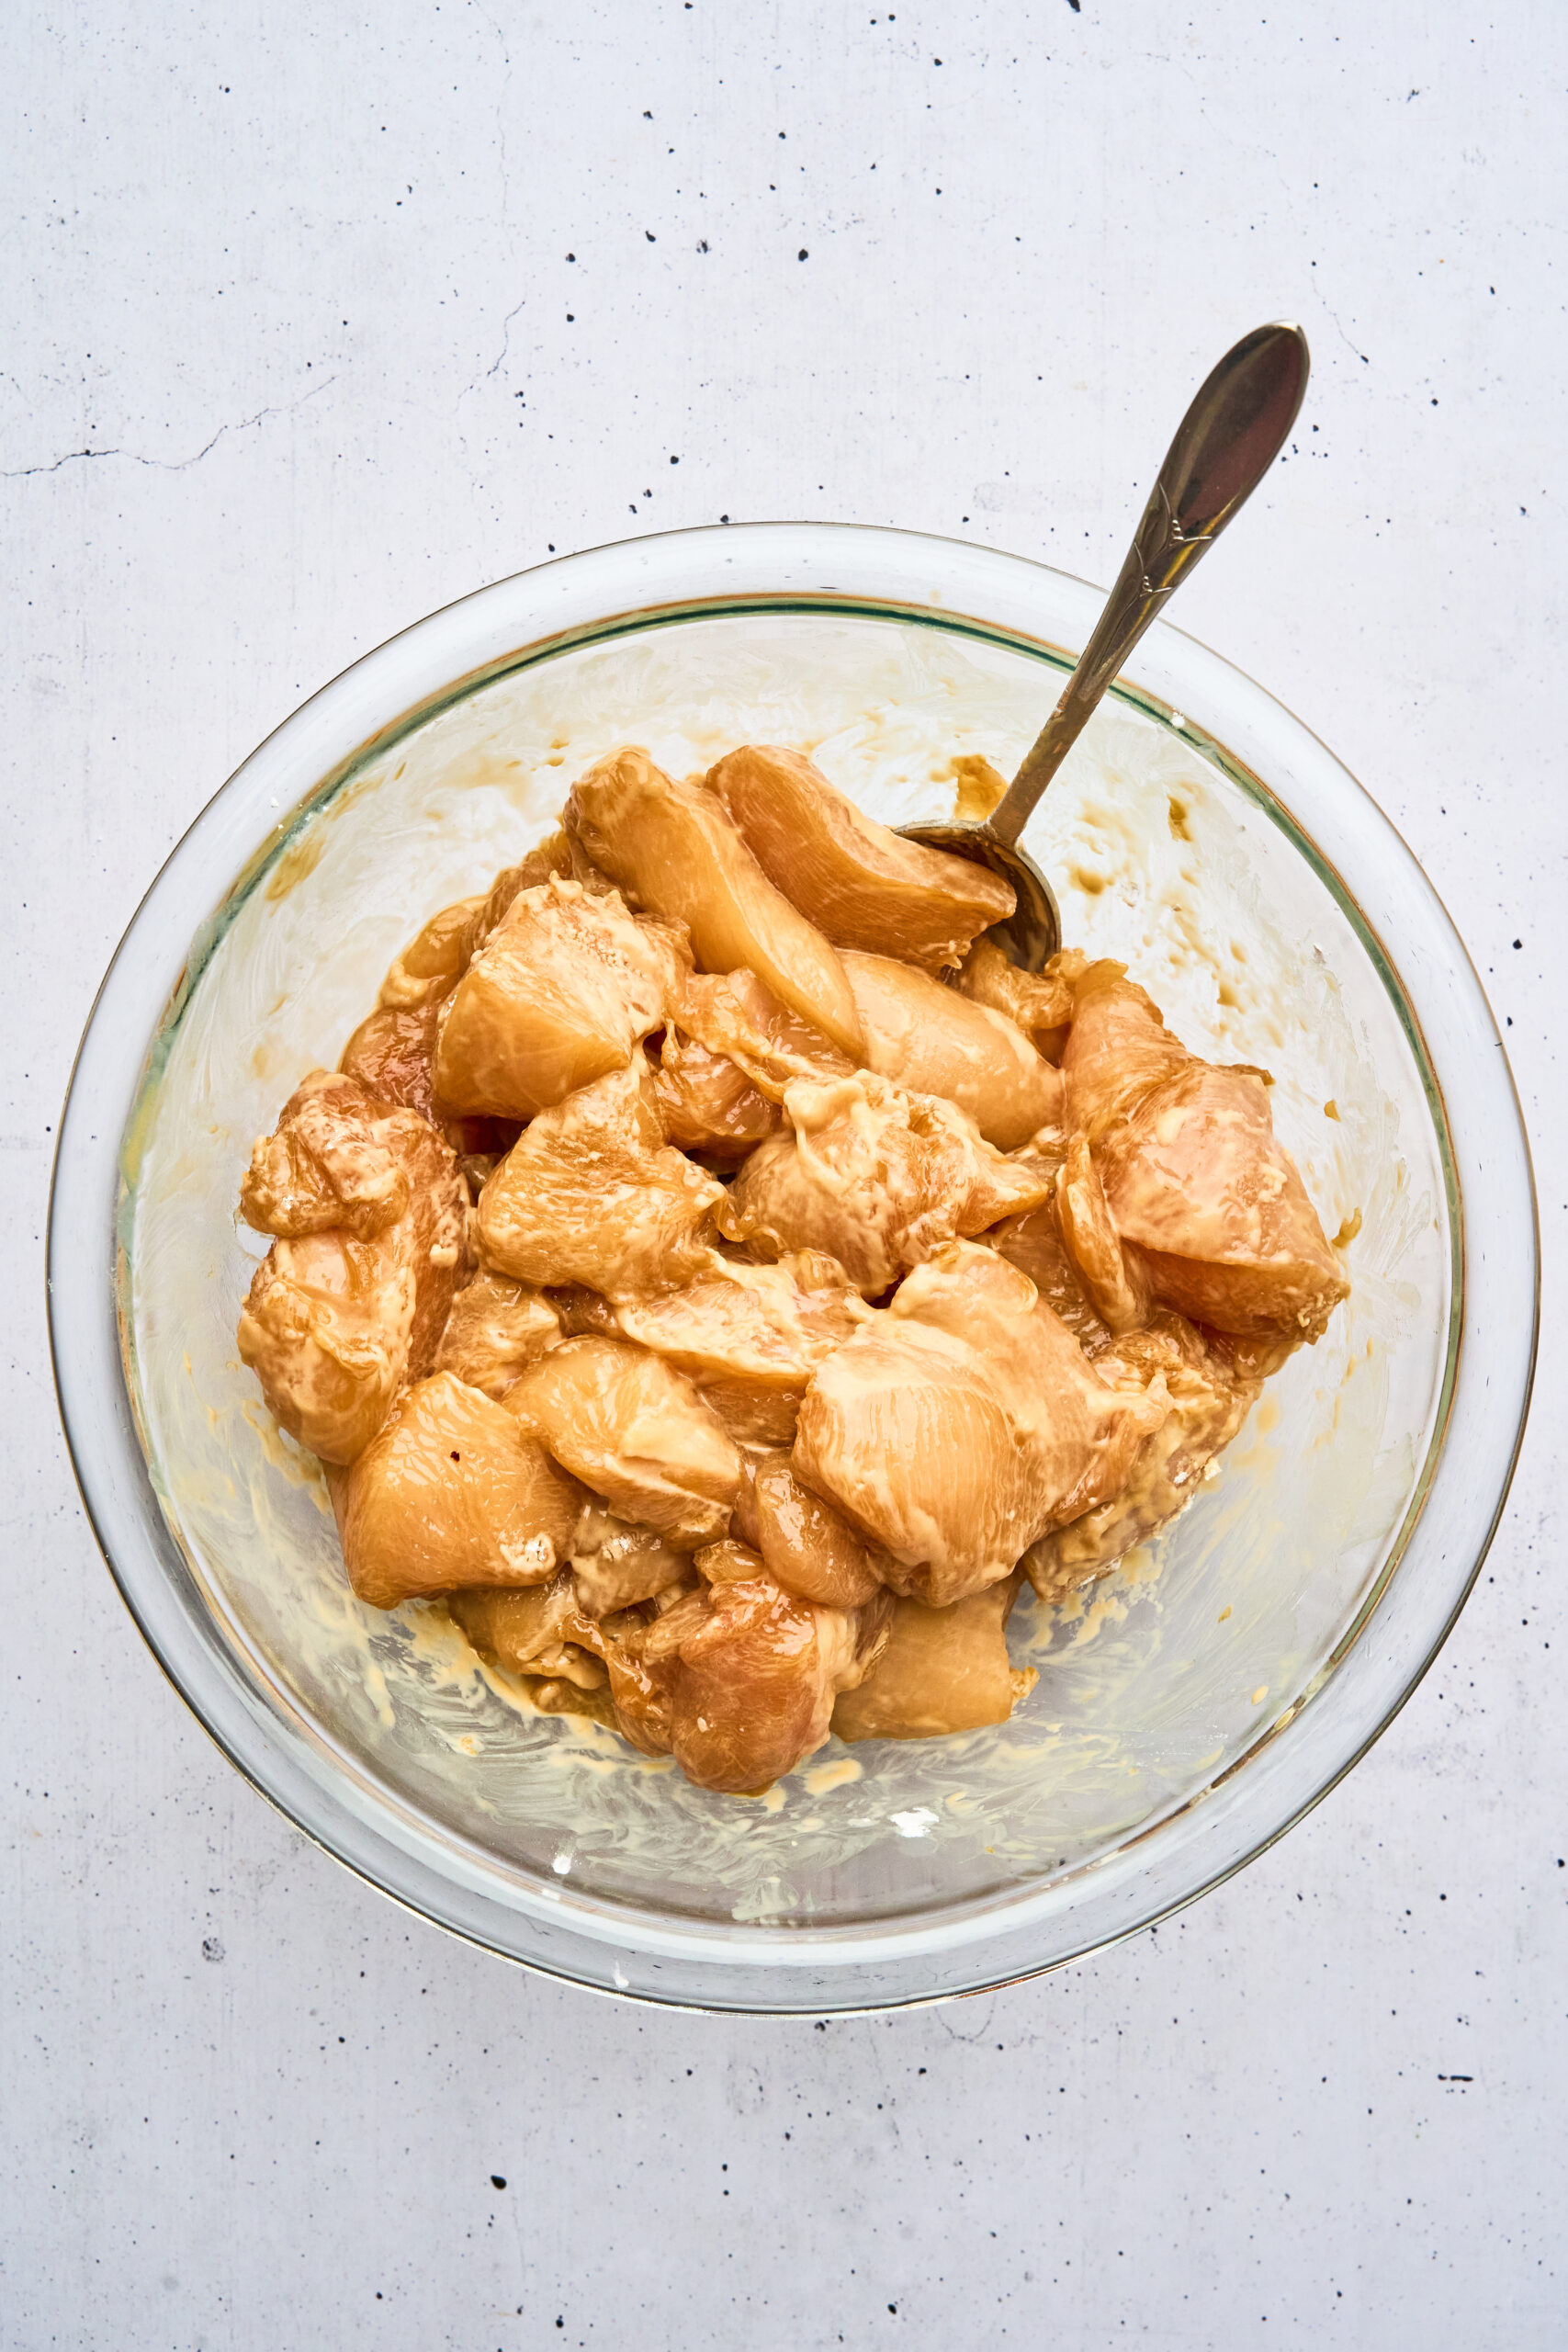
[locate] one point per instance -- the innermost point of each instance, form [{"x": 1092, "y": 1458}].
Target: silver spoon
[{"x": 1224, "y": 444}]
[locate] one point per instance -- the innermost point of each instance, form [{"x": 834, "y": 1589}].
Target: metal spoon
[{"x": 1224, "y": 444}]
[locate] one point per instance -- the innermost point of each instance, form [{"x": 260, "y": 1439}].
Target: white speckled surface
[{"x": 302, "y": 293}]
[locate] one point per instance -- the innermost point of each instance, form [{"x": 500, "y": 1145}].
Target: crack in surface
[{"x": 169, "y": 465}]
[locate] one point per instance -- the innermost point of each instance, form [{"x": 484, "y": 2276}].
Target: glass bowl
[{"x": 1188, "y": 1709}]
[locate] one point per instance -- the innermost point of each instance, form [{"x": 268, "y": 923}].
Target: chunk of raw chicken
[
  {"x": 707, "y": 1102},
  {"x": 1196, "y": 1183},
  {"x": 562, "y": 989},
  {"x": 371, "y": 1216},
  {"x": 1041, "y": 1003},
  {"x": 732, "y": 1014},
  {"x": 959, "y": 1426},
  {"x": 861, "y": 884},
  {"x": 1033, "y": 1243},
  {"x": 496, "y": 1329},
  {"x": 635, "y": 1431},
  {"x": 737, "y": 1680},
  {"x": 392, "y": 1055},
  {"x": 676, "y": 848},
  {"x": 751, "y": 1336},
  {"x": 1209, "y": 1397},
  {"x": 547, "y": 861},
  {"x": 536, "y": 1633},
  {"x": 875, "y": 1178},
  {"x": 452, "y": 1492},
  {"x": 943, "y": 1670},
  {"x": 592, "y": 1193},
  {"x": 1112, "y": 1280},
  {"x": 429, "y": 965},
  {"x": 618, "y": 1564},
  {"x": 931, "y": 1040},
  {"x": 808, "y": 1545}
]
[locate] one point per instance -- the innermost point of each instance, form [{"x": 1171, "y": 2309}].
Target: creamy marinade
[{"x": 720, "y": 1279}]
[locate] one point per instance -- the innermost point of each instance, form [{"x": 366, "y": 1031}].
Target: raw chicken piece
[
  {"x": 560, "y": 992},
  {"x": 429, "y": 965},
  {"x": 592, "y": 1193},
  {"x": 957, "y": 1427},
  {"x": 450, "y": 1493},
  {"x": 392, "y": 1053},
  {"x": 751, "y": 1336},
  {"x": 734, "y": 1015},
  {"x": 674, "y": 846},
  {"x": 859, "y": 883},
  {"x": 1208, "y": 1398},
  {"x": 707, "y": 1102},
  {"x": 617, "y": 1566},
  {"x": 1210, "y": 1204},
  {"x": 809, "y": 1546},
  {"x": 943, "y": 1670},
  {"x": 637, "y": 1432},
  {"x": 875, "y": 1178},
  {"x": 1112, "y": 1281},
  {"x": 547, "y": 861},
  {"x": 737, "y": 1680},
  {"x": 496, "y": 1329},
  {"x": 1041, "y": 1003},
  {"x": 532, "y": 1633},
  {"x": 351, "y": 1299},
  {"x": 1033, "y": 1243},
  {"x": 930, "y": 1040}
]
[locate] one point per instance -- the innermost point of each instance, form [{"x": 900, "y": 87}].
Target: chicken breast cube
[
  {"x": 453, "y": 1492},
  {"x": 496, "y": 1329},
  {"x": 532, "y": 1633},
  {"x": 591, "y": 1194},
  {"x": 1215, "y": 1212},
  {"x": 960, "y": 1424},
  {"x": 429, "y": 965},
  {"x": 751, "y": 1336},
  {"x": 706, "y": 1101},
  {"x": 561, "y": 990},
  {"x": 674, "y": 846},
  {"x": 350, "y": 1301},
  {"x": 637, "y": 1432},
  {"x": 392, "y": 1054},
  {"x": 747, "y": 1676},
  {"x": 1033, "y": 1243},
  {"x": 930, "y": 1040},
  {"x": 861, "y": 884},
  {"x": 943, "y": 1670},
  {"x": 617, "y": 1566},
  {"x": 809, "y": 1546},
  {"x": 1209, "y": 1397},
  {"x": 1040, "y": 1004},
  {"x": 731, "y": 1014},
  {"x": 874, "y": 1178}
]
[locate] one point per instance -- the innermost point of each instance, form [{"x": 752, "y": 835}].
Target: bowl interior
[{"x": 1163, "y": 852}]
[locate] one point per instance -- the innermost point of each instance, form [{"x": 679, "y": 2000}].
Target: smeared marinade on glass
[{"x": 720, "y": 1278}]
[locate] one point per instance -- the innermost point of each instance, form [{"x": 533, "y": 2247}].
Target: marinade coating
[
  {"x": 931, "y": 1040},
  {"x": 1193, "y": 1176},
  {"x": 737, "y": 1680},
  {"x": 675, "y": 847},
  {"x": 496, "y": 1329},
  {"x": 961, "y": 1423},
  {"x": 749, "y": 1336},
  {"x": 861, "y": 884},
  {"x": 943, "y": 1670},
  {"x": 875, "y": 1178},
  {"x": 451, "y": 1493},
  {"x": 809, "y": 1546},
  {"x": 1040, "y": 1002},
  {"x": 371, "y": 1216},
  {"x": 706, "y": 1101},
  {"x": 563, "y": 987},
  {"x": 591, "y": 1194},
  {"x": 733, "y": 1015},
  {"x": 637, "y": 1432},
  {"x": 1209, "y": 1397}
]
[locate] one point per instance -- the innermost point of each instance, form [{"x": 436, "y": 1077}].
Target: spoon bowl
[{"x": 1031, "y": 935}]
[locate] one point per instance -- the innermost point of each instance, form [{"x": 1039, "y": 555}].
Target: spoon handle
[{"x": 1224, "y": 447}]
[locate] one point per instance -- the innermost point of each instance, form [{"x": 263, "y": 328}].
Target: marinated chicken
[{"x": 721, "y": 1312}]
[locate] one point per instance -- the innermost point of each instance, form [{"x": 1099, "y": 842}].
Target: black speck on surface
[
  {"x": 498, "y": 2180},
  {"x": 803, "y": 255}
]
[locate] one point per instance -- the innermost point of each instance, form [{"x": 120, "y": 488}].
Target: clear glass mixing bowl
[{"x": 1199, "y": 1700}]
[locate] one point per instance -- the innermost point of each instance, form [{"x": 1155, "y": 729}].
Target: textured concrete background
[{"x": 316, "y": 319}]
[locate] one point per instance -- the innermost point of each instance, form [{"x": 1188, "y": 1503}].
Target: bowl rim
[{"x": 126, "y": 1521}]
